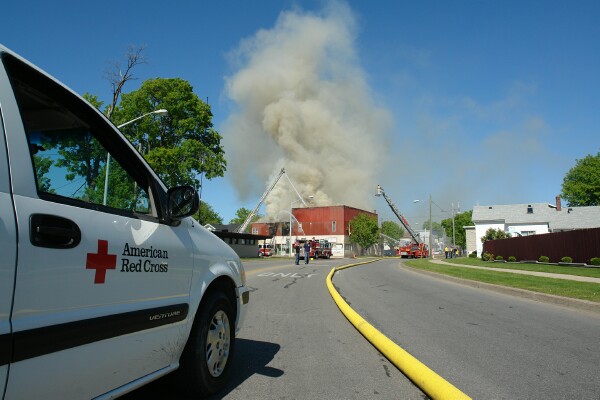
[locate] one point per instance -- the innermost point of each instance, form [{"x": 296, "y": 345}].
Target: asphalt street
[
  {"x": 315, "y": 352},
  {"x": 489, "y": 345},
  {"x": 296, "y": 344}
]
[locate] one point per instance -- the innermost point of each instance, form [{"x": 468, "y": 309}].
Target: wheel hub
[{"x": 218, "y": 343}]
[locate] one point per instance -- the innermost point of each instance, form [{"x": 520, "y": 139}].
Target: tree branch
[{"x": 117, "y": 77}]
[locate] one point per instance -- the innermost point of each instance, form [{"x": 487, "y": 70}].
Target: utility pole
[
  {"x": 453, "y": 232},
  {"x": 430, "y": 228}
]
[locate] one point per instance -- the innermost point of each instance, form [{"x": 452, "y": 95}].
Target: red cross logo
[{"x": 101, "y": 261}]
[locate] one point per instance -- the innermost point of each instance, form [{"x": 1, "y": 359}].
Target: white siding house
[{"x": 532, "y": 219}]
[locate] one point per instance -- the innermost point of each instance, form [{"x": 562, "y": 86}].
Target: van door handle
[{"x": 54, "y": 232}]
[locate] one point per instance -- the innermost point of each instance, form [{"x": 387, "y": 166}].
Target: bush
[
  {"x": 487, "y": 257},
  {"x": 566, "y": 260},
  {"x": 499, "y": 258},
  {"x": 595, "y": 261},
  {"x": 512, "y": 259},
  {"x": 544, "y": 259},
  {"x": 496, "y": 234},
  {"x": 473, "y": 255}
]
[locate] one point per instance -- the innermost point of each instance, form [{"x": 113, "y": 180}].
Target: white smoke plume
[{"x": 303, "y": 103}]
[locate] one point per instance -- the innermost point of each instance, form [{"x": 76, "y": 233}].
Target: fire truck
[
  {"x": 416, "y": 249},
  {"x": 413, "y": 250},
  {"x": 318, "y": 248},
  {"x": 265, "y": 250}
]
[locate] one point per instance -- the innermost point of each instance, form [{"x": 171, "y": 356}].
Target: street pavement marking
[{"x": 288, "y": 275}]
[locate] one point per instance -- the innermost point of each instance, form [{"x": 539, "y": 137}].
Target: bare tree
[{"x": 117, "y": 76}]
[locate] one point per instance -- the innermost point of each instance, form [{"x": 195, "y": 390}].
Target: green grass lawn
[
  {"x": 558, "y": 287},
  {"x": 554, "y": 269}
]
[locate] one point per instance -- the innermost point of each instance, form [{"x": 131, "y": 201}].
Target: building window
[
  {"x": 333, "y": 226},
  {"x": 527, "y": 233},
  {"x": 529, "y": 209},
  {"x": 255, "y": 231}
]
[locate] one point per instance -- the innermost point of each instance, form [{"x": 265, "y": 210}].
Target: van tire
[{"x": 208, "y": 353}]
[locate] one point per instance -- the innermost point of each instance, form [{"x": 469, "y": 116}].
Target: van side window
[{"x": 70, "y": 163}]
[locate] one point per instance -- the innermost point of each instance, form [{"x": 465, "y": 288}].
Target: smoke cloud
[{"x": 302, "y": 102}]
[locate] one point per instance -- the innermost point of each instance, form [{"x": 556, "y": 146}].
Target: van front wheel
[{"x": 206, "y": 359}]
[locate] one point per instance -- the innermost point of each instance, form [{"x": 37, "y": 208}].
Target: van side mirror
[{"x": 182, "y": 201}]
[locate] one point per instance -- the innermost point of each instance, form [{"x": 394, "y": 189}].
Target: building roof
[
  {"x": 539, "y": 213},
  {"x": 226, "y": 234},
  {"x": 222, "y": 228}
]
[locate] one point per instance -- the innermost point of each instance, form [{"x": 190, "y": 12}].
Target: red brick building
[{"x": 329, "y": 223}]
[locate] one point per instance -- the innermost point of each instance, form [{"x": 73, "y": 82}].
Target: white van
[{"x": 101, "y": 294}]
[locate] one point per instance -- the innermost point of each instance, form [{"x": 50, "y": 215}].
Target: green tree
[
  {"x": 207, "y": 215},
  {"x": 392, "y": 229},
  {"x": 581, "y": 185},
  {"x": 460, "y": 220},
  {"x": 93, "y": 100},
  {"x": 494, "y": 234},
  {"x": 364, "y": 231},
  {"x": 240, "y": 216},
  {"x": 83, "y": 158},
  {"x": 42, "y": 167},
  {"x": 80, "y": 154},
  {"x": 184, "y": 145}
]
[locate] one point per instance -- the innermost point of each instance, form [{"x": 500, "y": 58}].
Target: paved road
[
  {"x": 490, "y": 345},
  {"x": 296, "y": 344}
]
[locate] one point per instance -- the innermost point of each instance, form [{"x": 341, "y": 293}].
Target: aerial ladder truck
[
  {"x": 416, "y": 249},
  {"x": 243, "y": 227}
]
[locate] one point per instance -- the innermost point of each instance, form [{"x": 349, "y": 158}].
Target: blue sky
[{"x": 488, "y": 102}]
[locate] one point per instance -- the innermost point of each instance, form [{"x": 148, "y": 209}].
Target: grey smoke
[{"x": 302, "y": 102}]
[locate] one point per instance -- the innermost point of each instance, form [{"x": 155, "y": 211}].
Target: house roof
[{"x": 541, "y": 213}]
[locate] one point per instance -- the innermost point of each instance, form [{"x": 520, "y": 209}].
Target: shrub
[
  {"x": 473, "y": 255},
  {"x": 499, "y": 258},
  {"x": 566, "y": 260},
  {"x": 544, "y": 259},
  {"x": 496, "y": 234},
  {"x": 487, "y": 257},
  {"x": 512, "y": 259},
  {"x": 595, "y": 261}
]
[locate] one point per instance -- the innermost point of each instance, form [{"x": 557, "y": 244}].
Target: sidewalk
[{"x": 522, "y": 272}]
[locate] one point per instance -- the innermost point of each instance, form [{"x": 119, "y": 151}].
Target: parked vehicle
[
  {"x": 413, "y": 250},
  {"x": 321, "y": 248},
  {"x": 416, "y": 249},
  {"x": 106, "y": 282},
  {"x": 318, "y": 248},
  {"x": 265, "y": 250}
]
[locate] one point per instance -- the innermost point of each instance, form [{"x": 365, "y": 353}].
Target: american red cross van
[{"x": 106, "y": 281}]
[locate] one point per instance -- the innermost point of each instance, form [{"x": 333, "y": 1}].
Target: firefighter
[
  {"x": 297, "y": 248},
  {"x": 306, "y": 251}
]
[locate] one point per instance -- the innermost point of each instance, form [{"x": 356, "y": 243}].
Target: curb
[
  {"x": 523, "y": 293},
  {"x": 426, "y": 379}
]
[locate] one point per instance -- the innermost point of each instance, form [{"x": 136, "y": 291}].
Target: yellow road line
[{"x": 431, "y": 383}]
